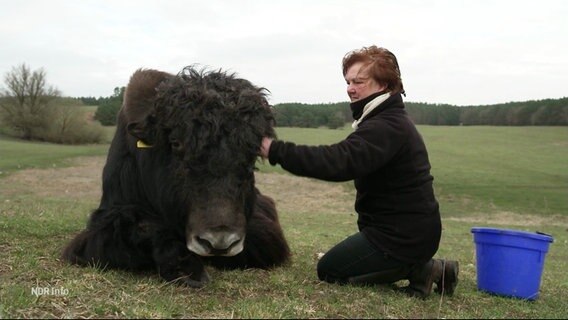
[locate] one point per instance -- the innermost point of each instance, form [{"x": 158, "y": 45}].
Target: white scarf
[{"x": 370, "y": 107}]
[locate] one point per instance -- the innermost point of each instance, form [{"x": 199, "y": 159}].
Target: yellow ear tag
[{"x": 141, "y": 145}]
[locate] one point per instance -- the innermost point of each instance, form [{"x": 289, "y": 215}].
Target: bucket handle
[{"x": 544, "y": 234}]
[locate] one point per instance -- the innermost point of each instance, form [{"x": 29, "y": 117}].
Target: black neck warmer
[{"x": 358, "y": 106}]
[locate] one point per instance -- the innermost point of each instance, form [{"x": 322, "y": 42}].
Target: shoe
[
  {"x": 422, "y": 277},
  {"x": 449, "y": 279}
]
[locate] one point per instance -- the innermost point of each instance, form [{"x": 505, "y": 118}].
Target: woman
[{"x": 398, "y": 215}]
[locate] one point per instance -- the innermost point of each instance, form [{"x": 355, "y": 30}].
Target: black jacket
[{"x": 387, "y": 158}]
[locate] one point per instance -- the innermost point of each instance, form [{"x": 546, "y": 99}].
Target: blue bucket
[{"x": 510, "y": 262}]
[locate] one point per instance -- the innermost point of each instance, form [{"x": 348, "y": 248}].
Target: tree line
[
  {"x": 33, "y": 110},
  {"x": 331, "y": 115},
  {"x": 547, "y": 112},
  {"x": 107, "y": 107}
]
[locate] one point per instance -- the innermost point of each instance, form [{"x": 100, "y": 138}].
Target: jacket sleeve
[{"x": 362, "y": 152}]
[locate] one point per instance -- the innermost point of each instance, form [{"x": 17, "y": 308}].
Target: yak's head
[{"x": 210, "y": 124}]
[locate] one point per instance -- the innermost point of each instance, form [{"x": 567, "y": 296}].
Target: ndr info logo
[{"x": 49, "y": 291}]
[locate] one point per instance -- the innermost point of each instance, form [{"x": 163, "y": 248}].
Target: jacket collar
[
  {"x": 370, "y": 106},
  {"x": 358, "y": 106}
]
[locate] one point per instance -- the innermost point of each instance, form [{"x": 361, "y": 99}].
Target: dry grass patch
[
  {"x": 83, "y": 181},
  {"x": 80, "y": 181}
]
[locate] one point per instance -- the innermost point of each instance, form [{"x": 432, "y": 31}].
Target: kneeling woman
[{"x": 398, "y": 215}]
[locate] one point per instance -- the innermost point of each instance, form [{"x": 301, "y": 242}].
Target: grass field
[
  {"x": 18, "y": 155},
  {"x": 477, "y": 169},
  {"x": 484, "y": 176}
]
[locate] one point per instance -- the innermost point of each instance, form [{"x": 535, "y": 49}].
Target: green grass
[
  {"x": 16, "y": 154},
  {"x": 480, "y": 172},
  {"x": 519, "y": 169},
  {"x": 479, "y": 169}
]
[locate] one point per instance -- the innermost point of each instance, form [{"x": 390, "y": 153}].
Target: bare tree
[{"x": 26, "y": 100}]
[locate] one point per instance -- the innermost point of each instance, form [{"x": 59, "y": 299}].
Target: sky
[{"x": 460, "y": 52}]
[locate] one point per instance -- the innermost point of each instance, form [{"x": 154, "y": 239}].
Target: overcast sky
[{"x": 459, "y": 52}]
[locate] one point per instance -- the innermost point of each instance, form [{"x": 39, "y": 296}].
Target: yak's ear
[{"x": 143, "y": 132}]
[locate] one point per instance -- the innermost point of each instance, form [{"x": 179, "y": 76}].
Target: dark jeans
[{"x": 355, "y": 260}]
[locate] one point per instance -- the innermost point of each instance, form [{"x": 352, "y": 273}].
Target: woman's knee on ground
[{"x": 327, "y": 271}]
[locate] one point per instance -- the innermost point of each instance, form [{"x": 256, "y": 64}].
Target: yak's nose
[{"x": 216, "y": 243}]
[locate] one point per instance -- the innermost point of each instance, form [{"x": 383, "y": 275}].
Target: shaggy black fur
[{"x": 205, "y": 130}]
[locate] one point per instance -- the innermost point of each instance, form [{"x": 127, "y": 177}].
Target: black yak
[{"x": 178, "y": 184}]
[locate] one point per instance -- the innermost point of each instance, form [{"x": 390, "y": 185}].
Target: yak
[{"x": 178, "y": 186}]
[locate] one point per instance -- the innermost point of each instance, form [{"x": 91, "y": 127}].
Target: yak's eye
[{"x": 176, "y": 145}]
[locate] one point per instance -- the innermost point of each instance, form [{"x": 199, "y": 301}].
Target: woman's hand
[{"x": 265, "y": 147}]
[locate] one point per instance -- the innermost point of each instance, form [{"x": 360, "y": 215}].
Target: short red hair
[{"x": 382, "y": 66}]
